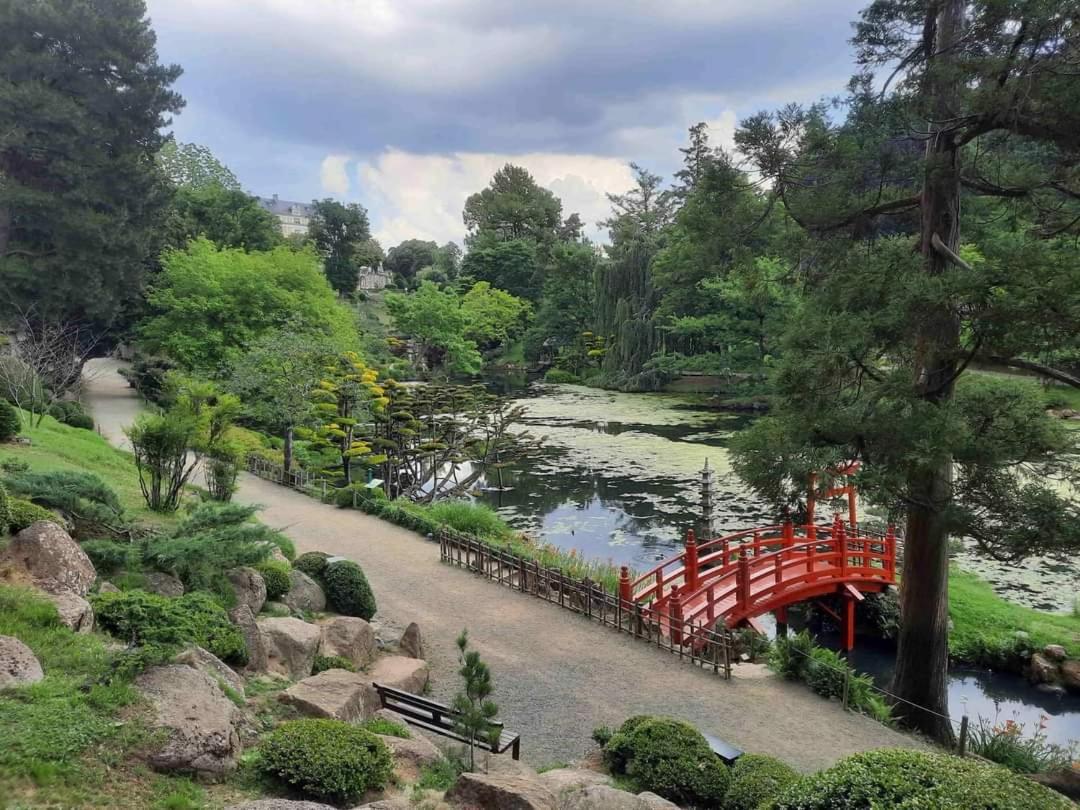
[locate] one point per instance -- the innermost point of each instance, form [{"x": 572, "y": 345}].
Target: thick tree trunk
[
  {"x": 922, "y": 654},
  {"x": 286, "y": 451}
]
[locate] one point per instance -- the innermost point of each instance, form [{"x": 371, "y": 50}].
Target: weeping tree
[{"x": 940, "y": 221}]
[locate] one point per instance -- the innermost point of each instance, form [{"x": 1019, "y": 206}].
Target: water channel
[{"x": 618, "y": 476}]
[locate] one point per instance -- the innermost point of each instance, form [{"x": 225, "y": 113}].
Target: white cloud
[
  {"x": 413, "y": 196},
  {"x": 334, "y": 175}
]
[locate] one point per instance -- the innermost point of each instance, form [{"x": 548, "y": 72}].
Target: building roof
[{"x": 282, "y": 208}]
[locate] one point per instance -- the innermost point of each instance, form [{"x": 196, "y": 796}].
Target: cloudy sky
[{"x": 409, "y": 106}]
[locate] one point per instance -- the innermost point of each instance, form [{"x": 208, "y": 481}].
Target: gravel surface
[{"x": 557, "y": 675}]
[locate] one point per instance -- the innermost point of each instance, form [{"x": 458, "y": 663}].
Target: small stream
[{"x": 618, "y": 478}]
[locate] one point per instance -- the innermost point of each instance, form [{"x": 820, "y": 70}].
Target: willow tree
[{"x": 976, "y": 110}]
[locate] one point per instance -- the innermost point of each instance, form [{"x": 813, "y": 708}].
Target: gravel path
[{"x": 557, "y": 674}]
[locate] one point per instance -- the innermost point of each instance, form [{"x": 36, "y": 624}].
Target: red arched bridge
[{"x": 731, "y": 581}]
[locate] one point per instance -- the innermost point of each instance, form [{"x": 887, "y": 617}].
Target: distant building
[
  {"x": 293, "y": 217},
  {"x": 373, "y": 278}
]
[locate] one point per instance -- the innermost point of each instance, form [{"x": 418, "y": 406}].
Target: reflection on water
[{"x": 618, "y": 474}]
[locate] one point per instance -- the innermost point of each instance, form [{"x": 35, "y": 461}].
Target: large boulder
[
  {"x": 163, "y": 584},
  {"x": 411, "y": 755},
  {"x": 503, "y": 792},
  {"x": 290, "y": 645},
  {"x": 18, "y": 664},
  {"x": 1070, "y": 674},
  {"x": 349, "y": 637},
  {"x": 198, "y": 721},
  {"x": 279, "y": 804},
  {"x": 244, "y": 619},
  {"x": 75, "y": 612},
  {"x": 205, "y": 661},
  {"x": 1041, "y": 669},
  {"x": 399, "y": 672},
  {"x": 304, "y": 594},
  {"x": 411, "y": 644},
  {"x": 657, "y": 802},
  {"x": 51, "y": 559},
  {"x": 1064, "y": 780},
  {"x": 249, "y": 587},
  {"x": 566, "y": 780},
  {"x": 1055, "y": 652},
  {"x": 601, "y": 797},
  {"x": 334, "y": 693}
]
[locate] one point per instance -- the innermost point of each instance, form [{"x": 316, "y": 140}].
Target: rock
[
  {"x": 305, "y": 594},
  {"x": 503, "y": 765},
  {"x": 1055, "y": 652},
  {"x": 206, "y": 662},
  {"x": 398, "y": 672},
  {"x": 503, "y": 792},
  {"x": 411, "y": 755},
  {"x": 411, "y": 643},
  {"x": 1040, "y": 670},
  {"x": 1070, "y": 674},
  {"x": 249, "y": 587},
  {"x": 18, "y": 664},
  {"x": 1065, "y": 781},
  {"x": 107, "y": 587},
  {"x": 272, "y": 608},
  {"x": 1051, "y": 689},
  {"x": 75, "y": 612},
  {"x": 601, "y": 797},
  {"x": 657, "y": 802},
  {"x": 277, "y": 556},
  {"x": 164, "y": 584},
  {"x": 242, "y": 617},
  {"x": 52, "y": 560},
  {"x": 350, "y": 637},
  {"x": 280, "y": 804},
  {"x": 290, "y": 645},
  {"x": 396, "y": 804},
  {"x": 198, "y": 720},
  {"x": 565, "y": 780},
  {"x": 334, "y": 693}
]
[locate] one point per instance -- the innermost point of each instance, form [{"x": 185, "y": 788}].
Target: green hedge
[
  {"x": 348, "y": 591},
  {"x": 326, "y": 759},
  {"x": 23, "y": 513},
  {"x": 276, "y": 576},
  {"x": 755, "y": 779},
  {"x": 312, "y": 563},
  {"x": 915, "y": 779}
]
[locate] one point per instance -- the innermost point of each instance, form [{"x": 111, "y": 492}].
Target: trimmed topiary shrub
[
  {"x": 755, "y": 779},
  {"x": 347, "y": 590},
  {"x": 326, "y": 759},
  {"x": 158, "y": 622},
  {"x": 670, "y": 758},
  {"x": 23, "y": 513},
  {"x": 903, "y": 778},
  {"x": 312, "y": 563},
  {"x": 325, "y": 662},
  {"x": 9, "y": 421},
  {"x": 276, "y": 576}
]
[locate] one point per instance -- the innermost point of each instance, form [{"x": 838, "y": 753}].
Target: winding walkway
[{"x": 557, "y": 675}]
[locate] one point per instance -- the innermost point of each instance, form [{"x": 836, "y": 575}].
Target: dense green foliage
[
  {"x": 669, "y": 758},
  {"x": 1007, "y": 744},
  {"x": 901, "y": 778},
  {"x": 10, "y": 423},
  {"x": 326, "y": 759},
  {"x": 5, "y": 510},
  {"x": 341, "y": 236},
  {"x": 23, "y": 513},
  {"x": 312, "y": 563},
  {"x": 347, "y": 590},
  {"x": 276, "y": 576},
  {"x": 436, "y": 320},
  {"x": 226, "y": 216},
  {"x": 70, "y": 412},
  {"x": 325, "y": 662},
  {"x": 388, "y": 728},
  {"x": 90, "y": 505},
  {"x": 755, "y": 779},
  {"x": 476, "y": 712},
  {"x": 192, "y": 166}
]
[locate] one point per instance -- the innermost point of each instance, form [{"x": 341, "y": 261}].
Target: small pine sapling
[{"x": 476, "y": 714}]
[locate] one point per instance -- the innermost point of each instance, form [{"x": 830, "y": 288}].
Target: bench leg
[{"x": 515, "y": 752}]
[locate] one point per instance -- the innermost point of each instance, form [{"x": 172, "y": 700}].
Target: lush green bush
[
  {"x": 561, "y": 376},
  {"x": 347, "y": 590},
  {"x": 756, "y": 778},
  {"x": 163, "y": 625},
  {"x": 312, "y": 563},
  {"x": 9, "y": 421},
  {"x": 276, "y": 576},
  {"x": 388, "y": 728},
  {"x": 5, "y": 510},
  {"x": 109, "y": 556},
  {"x": 325, "y": 662},
  {"x": 326, "y": 759},
  {"x": 670, "y": 758},
  {"x": 88, "y": 502},
  {"x": 23, "y": 513},
  {"x": 467, "y": 517},
  {"x": 71, "y": 413},
  {"x": 1007, "y": 744},
  {"x": 915, "y": 779}
]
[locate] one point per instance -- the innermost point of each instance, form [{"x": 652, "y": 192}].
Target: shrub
[
  {"x": 561, "y": 376},
  {"x": 85, "y": 499},
  {"x": 312, "y": 563},
  {"x": 670, "y": 758},
  {"x": 903, "y": 778},
  {"x": 163, "y": 625},
  {"x": 466, "y": 517},
  {"x": 388, "y": 728},
  {"x": 755, "y": 779},
  {"x": 326, "y": 759},
  {"x": 602, "y": 735},
  {"x": 71, "y": 413},
  {"x": 5, "y": 510},
  {"x": 325, "y": 662},
  {"x": 1007, "y": 745},
  {"x": 276, "y": 576},
  {"x": 109, "y": 556},
  {"x": 23, "y": 513},
  {"x": 161, "y": 443},
  {"x": 347, "y": 590},
  {"x": 9, "y": 421}
]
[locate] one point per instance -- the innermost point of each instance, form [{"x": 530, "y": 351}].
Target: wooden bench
[
  {"x": 727, "y": 752},
  {"x": 439, "y": 718}
]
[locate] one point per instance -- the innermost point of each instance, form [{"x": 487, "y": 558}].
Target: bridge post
[
  {"x": 690, "y": 566},
  {"x": 847, "y": 624},
  {"x": 840, "y": 538},
  {"x": 742, "y": 583},
  {"x": 853, "y": 516},
  {"x": 626, "y": 593},
  {"x": 708, "y": 520},
  {"x": 789, "y": 533},
  {"x": 675, "y": 618}
]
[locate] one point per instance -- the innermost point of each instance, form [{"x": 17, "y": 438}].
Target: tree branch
[
  {"x": 1031, "y": 365},
  {"x": 949, "y": 253}
]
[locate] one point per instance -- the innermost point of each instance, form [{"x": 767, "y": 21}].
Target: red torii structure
[{"x": 737, "y": 578}]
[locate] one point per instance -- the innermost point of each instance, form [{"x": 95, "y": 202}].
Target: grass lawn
[
  {"x": 983, "y": 621},
  {"x": 55, "y": 446}
]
